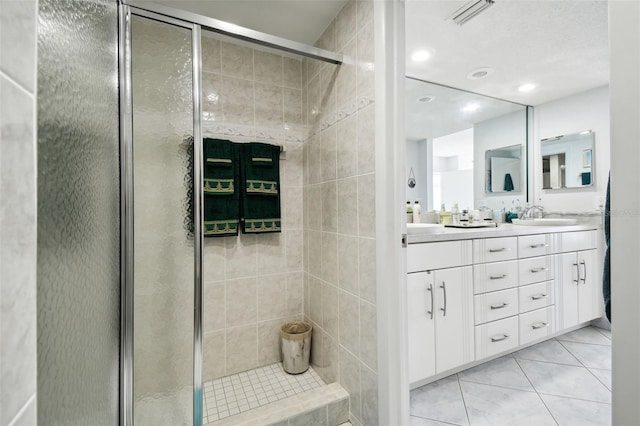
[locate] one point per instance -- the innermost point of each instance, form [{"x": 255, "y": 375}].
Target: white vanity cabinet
[
  {"x": 477, "y": 298},
  {"x": 578, "y": 271},
  {"x": 440, "y": 308}
]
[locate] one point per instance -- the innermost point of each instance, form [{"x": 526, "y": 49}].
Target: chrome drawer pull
[
  {"x": 504, "y": 305},
  {"x": 540, "y": 269},
  {"x": 498, "y": 277},
  {"x": 498, "y": 250},
  {"x": 584, "y": 264},
  {"x": 538, "y": 245},
  {"x": 444, "y": 294},
  {"x": 499, "y": 339},
  {"x": 577, "y": 272},
  {"x": 538, "y": 296},
  {"x": 539, "y": 325},
  {"x": 430, "y": 290}
]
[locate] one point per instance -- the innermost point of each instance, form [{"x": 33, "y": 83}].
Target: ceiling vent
[{"x": 470, "y": 10}]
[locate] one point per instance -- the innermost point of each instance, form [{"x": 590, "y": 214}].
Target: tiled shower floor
[
  {"x": 564, "y": 381},
  {"x": 240, "y": 392}
]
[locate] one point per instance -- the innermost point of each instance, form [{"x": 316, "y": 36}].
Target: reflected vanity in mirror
[
  {"x": 567, "y": 161},
  {"x": 461, "y": 146}
]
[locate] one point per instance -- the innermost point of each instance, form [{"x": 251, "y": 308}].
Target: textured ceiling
[
  {"x": 303, "y": 21},
  {"x": 560, "y": 45}
]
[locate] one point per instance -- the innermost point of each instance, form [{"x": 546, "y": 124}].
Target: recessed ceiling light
[
  {"x": 421, "y": 55},
  {"x": 480, "y": 73},
  {"x": 426, "y": 99},
  {"x": 526, "y": 87},
  {"x": 470, "y": 107}
]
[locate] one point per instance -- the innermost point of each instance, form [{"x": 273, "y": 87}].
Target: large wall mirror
[
  {"x": 568, "y": 161},
  {"x": 464, "y": 148}
]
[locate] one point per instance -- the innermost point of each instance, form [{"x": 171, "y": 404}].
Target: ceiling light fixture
[
  {"x": 470, "y": 107},
  {"x": 479, "y": 73},
  {"x": 421, "y": 56},
  {"x": 470, "y": 10},
  {"x": 426, "y": 99},
  {"x": 526, "y": 87}
]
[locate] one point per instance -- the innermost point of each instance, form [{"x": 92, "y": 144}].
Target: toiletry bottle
[
  {"x": 409, "y": 212},
  {"x": 455, "y": 214},
  {"x": 416, "y": 212}
]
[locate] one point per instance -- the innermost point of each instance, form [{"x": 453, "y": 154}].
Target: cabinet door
[
  {"x": 420, "y": 293},
  {"x": 454, "y": 317},
  {"x": 589, "y": 294},
  {"x": 567, "y": 266}
]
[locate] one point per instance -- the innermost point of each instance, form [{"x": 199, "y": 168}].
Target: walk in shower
[{"x": 201, "y": 316}]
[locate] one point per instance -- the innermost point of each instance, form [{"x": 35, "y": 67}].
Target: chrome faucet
[{"x": 530, "y": 212}]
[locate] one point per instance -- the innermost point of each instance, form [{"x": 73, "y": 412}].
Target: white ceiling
[
  {"x": 303, "y": 21},
  {"x": 560, "y": 45}
]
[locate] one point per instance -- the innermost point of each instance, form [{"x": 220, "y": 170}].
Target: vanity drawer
[
  {"x": 495, "y": 249},
  {"x": 495, "y": 276},
  {"x": 535, "y": 269},
  {"x": 535, "y": 296},
  {"x": 535, "y": 245},
  {"x": 429, "y": 256},
  {"x": 575, "y": 241},
  {"x": 495, "y": 337},
  {"x": 536, "y": 325},
  {"x": 495, "y": 305}
]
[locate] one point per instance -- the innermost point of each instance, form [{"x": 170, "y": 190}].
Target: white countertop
[{"x": 503, "y": 230}]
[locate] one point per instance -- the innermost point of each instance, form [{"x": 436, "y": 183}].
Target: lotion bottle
[{"x": 416, "y": 212}]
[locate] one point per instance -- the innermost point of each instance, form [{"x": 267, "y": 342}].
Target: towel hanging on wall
[
  {"x": 260, "y": 201},
  {"x": 220, "y": 187},
  {"x": 508, "y": 183}
]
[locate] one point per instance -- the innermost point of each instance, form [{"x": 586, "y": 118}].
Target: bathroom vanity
[{"x": 474, "y": 295}]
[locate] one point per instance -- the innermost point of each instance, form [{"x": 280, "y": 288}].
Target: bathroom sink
[
  {"x": 424, "y": 228},
  {"x": 545, "y": 222}
]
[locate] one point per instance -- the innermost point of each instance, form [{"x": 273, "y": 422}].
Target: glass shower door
[{"x": 164, "y": 247}]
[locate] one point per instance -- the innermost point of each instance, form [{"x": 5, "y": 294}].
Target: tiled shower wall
[
  {"x": 18, "y": 212},
  {"x": 339, "y": 219},
  {"x": 253, "y": 283}
]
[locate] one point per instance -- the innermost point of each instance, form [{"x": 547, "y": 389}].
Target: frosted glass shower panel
[{"x": 163, "y": 219}]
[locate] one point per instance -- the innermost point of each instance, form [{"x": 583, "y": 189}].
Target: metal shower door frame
[
  {"x": 195, "y": 23},
  {"x": 127, "y": 230}
]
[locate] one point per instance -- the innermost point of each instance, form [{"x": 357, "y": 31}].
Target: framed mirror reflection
[{"x": 568, "y": 161}]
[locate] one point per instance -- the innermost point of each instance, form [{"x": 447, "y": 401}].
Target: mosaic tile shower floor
[{"x": 244, "y": 391}]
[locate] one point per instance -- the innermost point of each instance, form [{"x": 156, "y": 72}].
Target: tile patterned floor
[
  {"x": 241, "y": 392},
  {"x": 564, "y": 381}
]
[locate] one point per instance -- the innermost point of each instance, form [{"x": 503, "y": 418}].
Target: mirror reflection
[
  {"x": 567, "y": 161},
  {"x": 461, "y": 146},
  {"x": 503, "y": 169}
]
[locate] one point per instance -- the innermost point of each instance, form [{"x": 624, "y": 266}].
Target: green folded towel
[
  {"x": 260, "y": 201},
  {"x": 220, "y": 187}
]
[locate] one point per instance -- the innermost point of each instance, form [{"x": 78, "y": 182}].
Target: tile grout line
[
  {"x": 568, "y": 350},
  {"x": 577, "y": 399},
  {"x": 498, "y": 386},
  {"x": 464, "y": 402},
  {"x": 439, "y": 421},
  {"x": 537, "y": 393}
]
